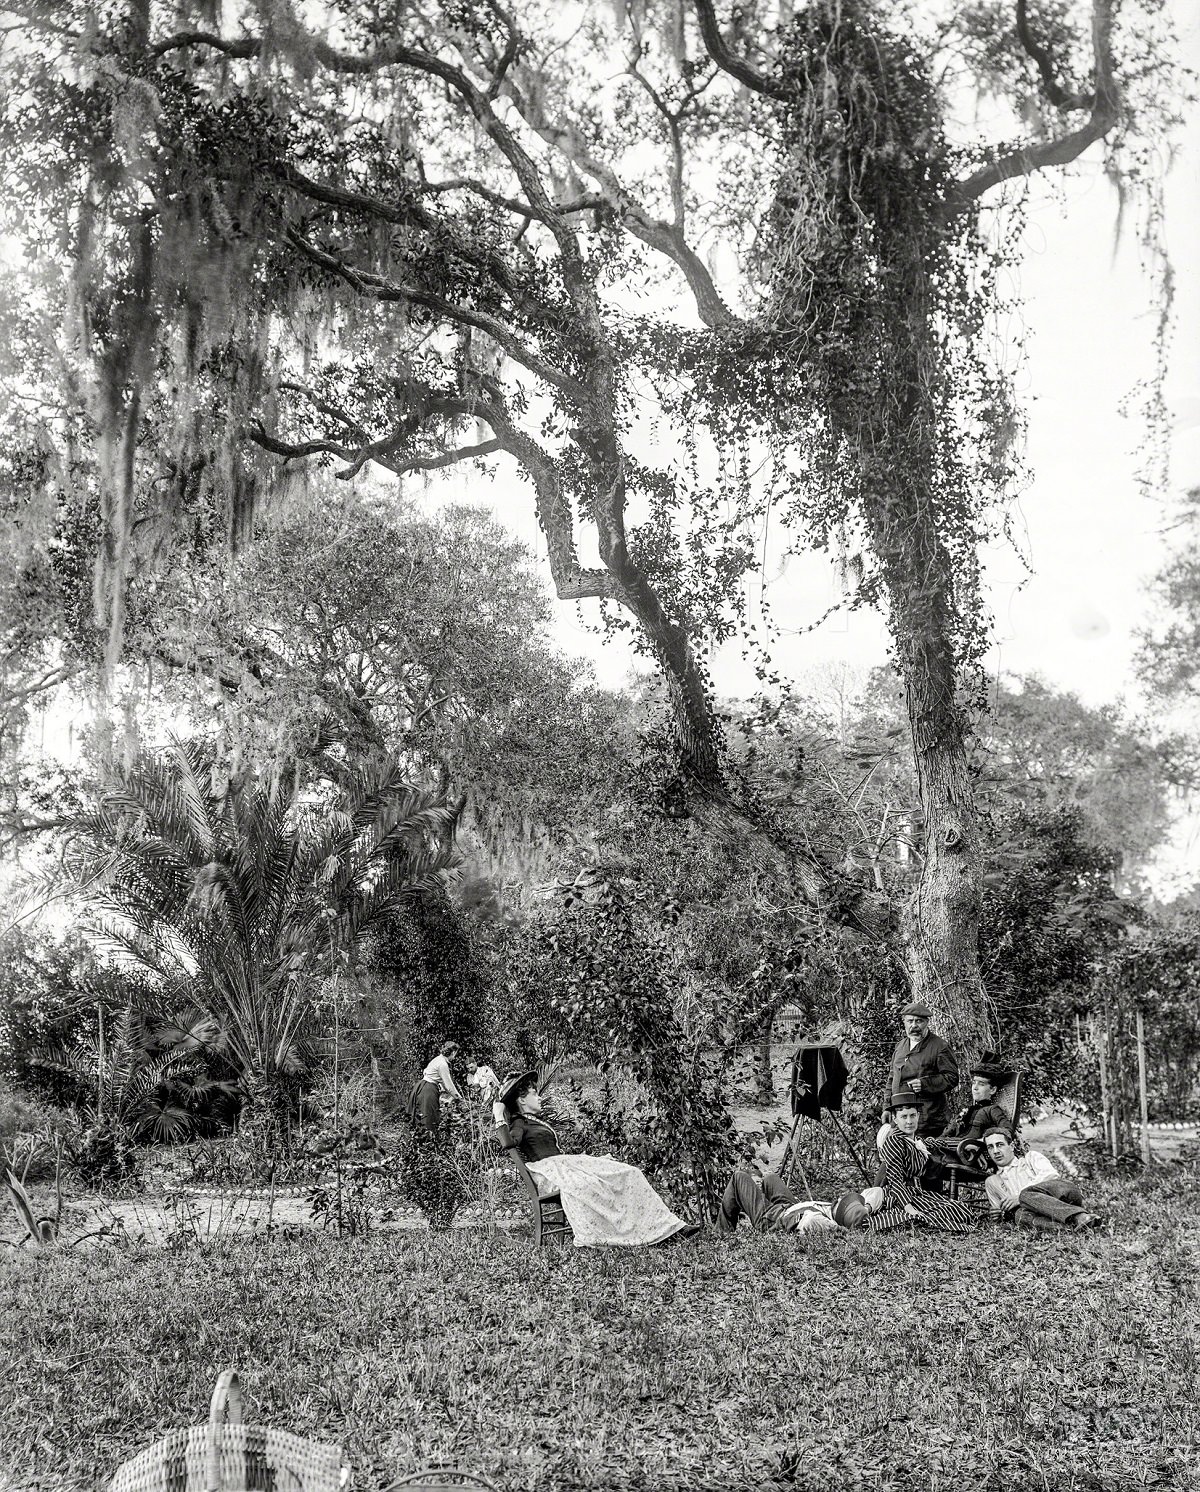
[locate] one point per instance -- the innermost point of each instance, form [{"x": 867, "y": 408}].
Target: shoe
[
  {"x": 689, "y": 1230},
  {"x": 1087, "y": 1220}
]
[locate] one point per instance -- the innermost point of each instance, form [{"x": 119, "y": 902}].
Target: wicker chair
[
  {"x": 972, "y": 1167},
  {"x": 225, "y": 1455},
  {"x": 545, "y": 1209}
]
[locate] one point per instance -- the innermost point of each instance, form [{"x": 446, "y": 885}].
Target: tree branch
[
  {"x": 1105, "y": 103},
  {"x": 409, "y": 214},
  {"x": 737, "y": 67},
  {"x": 375, "y": 287},
  {"x": 667, "y": 238},
  {"x": 1057, "y": 95},
  {"x": 450, "y": 458}
]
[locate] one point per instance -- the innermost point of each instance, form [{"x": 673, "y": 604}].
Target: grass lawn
[{"x": 1007, "y": 1360}]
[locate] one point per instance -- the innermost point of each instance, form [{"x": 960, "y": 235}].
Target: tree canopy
[{"x": 413, "y": 236}]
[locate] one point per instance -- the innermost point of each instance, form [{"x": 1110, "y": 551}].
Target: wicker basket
[
  {"x": 441, "y": 1476},
  {"x": 227, "y": 1456}
]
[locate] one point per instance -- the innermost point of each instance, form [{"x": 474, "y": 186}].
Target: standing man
[
  {"x": 924, "y": 1065},
  {"x": 1028, "y": 1190}
]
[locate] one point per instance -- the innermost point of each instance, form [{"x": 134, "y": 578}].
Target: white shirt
[
  {"x": 438, "y": 1072},
  {"x": 1011, "y": 1180},
  {"x": 485, "y": 1080}
]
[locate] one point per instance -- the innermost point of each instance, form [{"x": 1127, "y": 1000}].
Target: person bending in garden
[
  {"x": 773, "y": 1207},
  {"x": 425, "y": 1102},
  {"x": 605, "y": 1201},
  {"x": 482, "y": 1080},
  {"x": 1028, "y": 1191},
  {"x": 923, "y": 1064},
  {"x": 906, "y": 1160}
]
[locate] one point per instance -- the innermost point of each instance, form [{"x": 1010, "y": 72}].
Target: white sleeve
[
  {"x": 441, "y": 1071},
  {"x": 1042, "y": 1169},
  {"x": 995, "y": 1192}
]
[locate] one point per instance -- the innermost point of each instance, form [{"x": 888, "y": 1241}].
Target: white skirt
[{"x": 606, "y": 1202}]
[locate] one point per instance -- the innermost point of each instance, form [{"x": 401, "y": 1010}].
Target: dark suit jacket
[
  {"x": 971, "y": 1122},
  {"x": 934, "y": 1063}
]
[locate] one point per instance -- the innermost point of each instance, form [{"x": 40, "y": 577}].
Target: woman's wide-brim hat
[
  {"x": 990, "y": 1067},
  {"x": 513, "y": 1083},
  {"x": 904, "y": 1098}
]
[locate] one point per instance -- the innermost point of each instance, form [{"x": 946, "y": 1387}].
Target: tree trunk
[
  {"x": 766, "y": 1079},
  {"x": 940, "y": 922}
]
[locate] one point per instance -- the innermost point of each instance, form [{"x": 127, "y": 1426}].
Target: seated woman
[
  {"x": 905, "y": 1160},
  {"x": 605, "y": 1202},
  {"x": 981, "y": 1114}
]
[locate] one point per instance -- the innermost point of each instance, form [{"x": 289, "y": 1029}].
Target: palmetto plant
[
  {"x": 233, "y": 890},
  {"x": 158, "y": 1077}
]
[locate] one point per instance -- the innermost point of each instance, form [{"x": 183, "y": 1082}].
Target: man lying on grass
[
  {"x": 1028, "y": 1191},
  {"x": 773, "y": 1207}
]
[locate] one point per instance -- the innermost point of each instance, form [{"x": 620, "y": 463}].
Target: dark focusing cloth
[{"x": 819, "y": 1078}]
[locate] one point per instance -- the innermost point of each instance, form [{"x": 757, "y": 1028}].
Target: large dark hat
[
  {"x": 513, "y": 1085},
  {"x": 990, "y": 1067},
  {"x": 904, "y": 1098},
  {"x": 850, "y": 1210},
  {"x": 916, "y": 1008}
]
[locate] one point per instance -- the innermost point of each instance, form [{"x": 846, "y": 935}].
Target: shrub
[
  {"x": 430, "y": 1175},
  {"x": 103, "y": 1154},
  {"x": 440, "y": 983}
]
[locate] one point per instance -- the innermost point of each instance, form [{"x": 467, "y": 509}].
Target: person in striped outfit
[{"x": 905, "y": 1160}]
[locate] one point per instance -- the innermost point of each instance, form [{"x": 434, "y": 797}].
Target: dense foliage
[{"x": 236, "y": 893}]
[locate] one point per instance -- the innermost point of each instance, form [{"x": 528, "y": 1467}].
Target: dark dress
[
  {"x": 972, "y": 1123},
  {"x": 532, "y": 1137},
  {"x": 425, "y": 1105}
]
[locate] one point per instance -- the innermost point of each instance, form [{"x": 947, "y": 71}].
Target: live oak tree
[{"x": 424, "y": 234}]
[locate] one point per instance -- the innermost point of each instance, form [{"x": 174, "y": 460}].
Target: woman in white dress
[{"x": 605, "y": 1201}]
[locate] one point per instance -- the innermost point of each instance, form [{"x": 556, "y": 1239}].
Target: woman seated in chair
[
  {"x": 605, "y": 1201},
  {"x": 905, "y": 1161}
]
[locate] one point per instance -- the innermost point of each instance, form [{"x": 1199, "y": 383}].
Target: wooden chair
[
  {"x": 962, "y": 1171},
  {"x": 225, "y": 1455},
  {"x": 545, "y": 1208}
]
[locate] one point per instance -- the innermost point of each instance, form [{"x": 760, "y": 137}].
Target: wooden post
[
  {"x": 100, "y": 1060},
  {"x": 1114, "y": 1082},
  {"x": 1141, "y": 1043},
  {"x": 1103, "y": 1056}
]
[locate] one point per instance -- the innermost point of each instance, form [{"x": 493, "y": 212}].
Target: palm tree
[{"x": 232, "y": 891}]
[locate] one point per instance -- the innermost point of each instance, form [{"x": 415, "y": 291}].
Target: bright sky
[{"x": 1091, "y": 537}]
